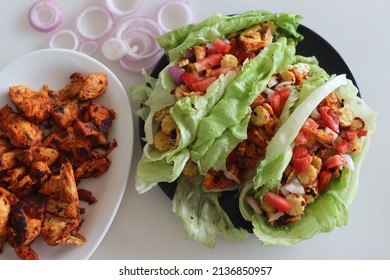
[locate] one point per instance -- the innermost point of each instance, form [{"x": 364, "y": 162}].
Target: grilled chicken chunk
[
  {"x": 25, "y": 226},
  {"x": 20, "y": 131},
  {"x": 35, "y": 106},
  {"x": 95, "y": 85},
  {"x": 62, "y": 213},
  {"x": 5, "y": 209}
]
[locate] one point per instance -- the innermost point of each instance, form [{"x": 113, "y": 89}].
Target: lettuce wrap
[{"x": 330, "y": 208}]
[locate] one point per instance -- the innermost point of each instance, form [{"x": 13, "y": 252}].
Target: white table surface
[{"x": 146, "y": 228}]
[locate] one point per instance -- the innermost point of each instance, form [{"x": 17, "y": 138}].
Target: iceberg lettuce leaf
[{"x": 202, "y": 216}]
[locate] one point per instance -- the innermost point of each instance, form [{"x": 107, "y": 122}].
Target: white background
[{"x": 146, "y": 228}]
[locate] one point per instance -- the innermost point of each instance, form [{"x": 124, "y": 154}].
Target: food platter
[
  {"x": 312, "y": 45},
  {"x": 53, "y": 67}
]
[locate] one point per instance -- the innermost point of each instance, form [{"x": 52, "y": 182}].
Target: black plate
[{"x": 312, "y": 45}]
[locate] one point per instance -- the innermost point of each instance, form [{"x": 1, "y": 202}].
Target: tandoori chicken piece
[
  {"x": 100, "y": 116},
  {"x": 95, "y": 85},
  {"x": 5, "y": 146},
  {"x": 35, "y": 106},
  {"x": 62, "y": 213},
  {"x": 65, "y": 114},
  {"x": 20, "y": 131},
  {"x": 25, "y": 226},
  {"x": 9, "y": 160},
  {"x": 73, "y": 88},
  {"x": 43, "y": 154},
  {"x": 5, "y": 209}
]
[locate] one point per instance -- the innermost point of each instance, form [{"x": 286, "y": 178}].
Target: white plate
[{"x": 54, "y": 67}]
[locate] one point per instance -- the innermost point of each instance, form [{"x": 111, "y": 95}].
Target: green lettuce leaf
[
  {"x": 202, "y": 216},
  {"x": 177, "y": 41},
  {"x": 225, "y": 127},
  {"x": 330, "y": 209}
]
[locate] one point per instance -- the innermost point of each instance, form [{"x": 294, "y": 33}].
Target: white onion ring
[
  {"x": 113, "y": 8},
  {"x": 88, "y": 47},
  {"x": 66, "y": 32},
  {"x": 114, "y": 48},
  {"x": 137, "y": 66},
  {"x": 84, "y": 32},
  {"x": 180, "y": 8},
  {"x": 42, "y": 24},
  {"x": 138, "y": 21}
]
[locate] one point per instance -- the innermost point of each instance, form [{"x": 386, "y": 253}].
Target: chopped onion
[
  {"x": 88, "y": 47},
  {"x": 45, "y": 16},
  {"x": 283, "y": 84},
  {"x": 254, "y": 204},
  {"x": 348, "y": 162},
  {"x": 315, "y": 115},
  {"x": 61, "y": 40},
  {"x": 328, "y": 130},
  {"x": 173, "y": 14},
  {"x": 133, "y": 7},
  {"x": 294, "y": 187},
  {"x": 275, "y": 216},
  {"x": 268, "y": 91},
  {"x": 95, "y": 15},
  {"x": 273, "y": 82},
  {"x": 175, "y": 73},
  {"x": 114, "y": 48}
]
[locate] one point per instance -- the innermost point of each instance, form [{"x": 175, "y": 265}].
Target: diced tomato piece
[
  {"x": 208, "y": 62},
  {"x": 311, "y": 123},
  {"x": 278, "y": 99},
  {"x": 362, "y": 132},
  {"x": 350, "y": 135},
  {"x": 219, "y": 46},
  {"x": 323, "y": 180},
  {"x": 189, "y": 79},
  {"x": 334, "y": 161},
  {"x": 301, "y": 159},
  {"x": 221, "y": 70},
  {"x": 277, "y": 201},
  {"x": 242, "y": 56},
  {"x": 343, "y": 147},
  {"x": 302, "y": 138},
  {"x": 330, "y": 118},
  {"x": 203, "y": 84}
]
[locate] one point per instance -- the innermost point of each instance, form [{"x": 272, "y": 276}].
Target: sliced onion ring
[
  {"x": 83, "y": 29},
  {"x": 140, "y": 34},
  {"x": 45, "y": 15},
  {"x": 137, "y": 66},
  {"x": 53, "y": 43},
  {"x": 175, "y": 9},
  {"x": 134, "y": 7},
  {"x": 114, "y": 48},
  {"x": 88, "y": 47},
  {"x": 141, "y": 43}
]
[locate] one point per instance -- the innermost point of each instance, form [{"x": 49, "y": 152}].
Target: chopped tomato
[
  {"x": 278, "y": 99},
  {"x": 221, "y": 70},
  {"x": 189, "y": 79},
  {"x": 350, "y": 134},
  {"x": 302, "y": 138},
  {"x": 219, "y": 46},
  {"x": 277, "y": 201},
  {"x": 323, "y": 180},
  {"x": 311, "y": 123},
  {"x": 301, "y": 159},
  {"x": 362, "y": 132},
  {"x": 208, "y": 62},
  {"x": 330, "y": 118},
  {"x": 203, "y": 84},
  {"x": 334, "y": 161},
  {"x": 343, "y": 147}
]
